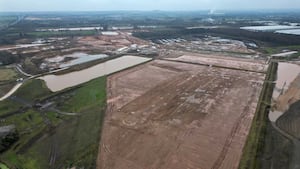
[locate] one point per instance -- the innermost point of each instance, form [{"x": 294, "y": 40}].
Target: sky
[{"x": 169, "y": 5}]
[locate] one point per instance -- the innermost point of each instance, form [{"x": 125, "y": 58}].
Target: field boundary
[
  {"x": 215, "y": 66},
  {"x": 253, "y": 148}
]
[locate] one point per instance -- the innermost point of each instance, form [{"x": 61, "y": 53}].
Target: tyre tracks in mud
[{"x": 217, "y": 164}]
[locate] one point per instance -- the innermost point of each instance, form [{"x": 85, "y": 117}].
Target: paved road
[
  {"x": 18, "y": 67},
  {"x": 11, "y": 92},
  {"x": 17, "y": 86}
]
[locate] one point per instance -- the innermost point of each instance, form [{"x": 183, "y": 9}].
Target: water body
[
  {"x": 292, "y": 32},
  {"x": 110, "y": 33},
  {"x": 59, "y": 82},
  {"x": 286, "y": 74},
  {"x": 71, "y": 29},
  {"x": 81, "y": 58},
  {"x": 269, "y": 28}
]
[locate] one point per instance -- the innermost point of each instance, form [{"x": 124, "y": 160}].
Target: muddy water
[
  {"x": 60, "y": 82},
  {"x": 81, "y": 58},
  {"x": 286, "y": 74}
]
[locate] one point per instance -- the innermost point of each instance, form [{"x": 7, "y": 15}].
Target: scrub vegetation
[{"x": 49, "y": 136}]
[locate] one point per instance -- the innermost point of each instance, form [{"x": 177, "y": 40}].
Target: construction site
[
  {"x": 107, "y": 92},
  {"x": 167, "y": 114}
]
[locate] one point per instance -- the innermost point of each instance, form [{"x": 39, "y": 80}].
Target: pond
[
  {"x": 286, "y": 74},
  {"x": 60, "y": 82},
  {"x": 292, "y": 32},
  {"x": 81, "y": 58}
]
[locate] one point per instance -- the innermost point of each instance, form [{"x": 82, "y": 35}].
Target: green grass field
[
  {"x": 2, "y": 166},
  {"x": 86, "y": 97},
  {"x": 7, "y": 74},
  {"x": 8, "y": 106},
  {"x": 71, "y": 140},
  {"x": 33, "y": 90},
  {"x": 8, "y": 77}
]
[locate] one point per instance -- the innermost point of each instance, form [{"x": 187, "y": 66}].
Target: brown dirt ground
[
  {"x": 168, "y": 115},
  {"x": 118, "y": 41},
  {"x": 230, "y": 62}
]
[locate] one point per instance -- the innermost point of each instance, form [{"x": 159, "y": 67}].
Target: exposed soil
[
  {"x": 107, "y": 42},
  {"x": 229, "y": 62},
  {"x": 175, "y": 115}
]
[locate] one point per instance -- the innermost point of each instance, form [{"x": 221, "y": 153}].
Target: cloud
[{"x": 85, "y": 5}]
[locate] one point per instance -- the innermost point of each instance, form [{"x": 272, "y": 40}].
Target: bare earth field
[
  {"x": 170, "y": 115},
  {"x": 106, "y": 42},
  {"x": 229, "y": 62}
]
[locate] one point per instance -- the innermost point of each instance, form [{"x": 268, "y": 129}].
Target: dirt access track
[{"x": 171, "y": 115}]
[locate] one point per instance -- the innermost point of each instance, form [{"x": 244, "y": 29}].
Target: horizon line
[{"x": 156, "y": 10}]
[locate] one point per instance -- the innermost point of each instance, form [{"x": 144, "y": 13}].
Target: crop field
[{"x": 167, "y": 114}]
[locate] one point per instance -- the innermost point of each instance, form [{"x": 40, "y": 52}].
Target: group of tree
[
  {"x": 7, "y": 58},
  {"x": 234, "y": 33}
]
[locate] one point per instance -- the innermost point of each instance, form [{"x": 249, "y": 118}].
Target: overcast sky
[{"x": 100, "y": 5}]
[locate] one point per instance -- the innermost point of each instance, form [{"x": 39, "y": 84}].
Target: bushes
[
  {"x": 8, "y": 140},
  {"x": 7, "y": 58},
  {"x": 234, "y": 33}
]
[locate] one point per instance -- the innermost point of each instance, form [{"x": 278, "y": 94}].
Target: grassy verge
[
  {"x": 255, "y": 142},
  {"x": 33, "y": 90}
]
